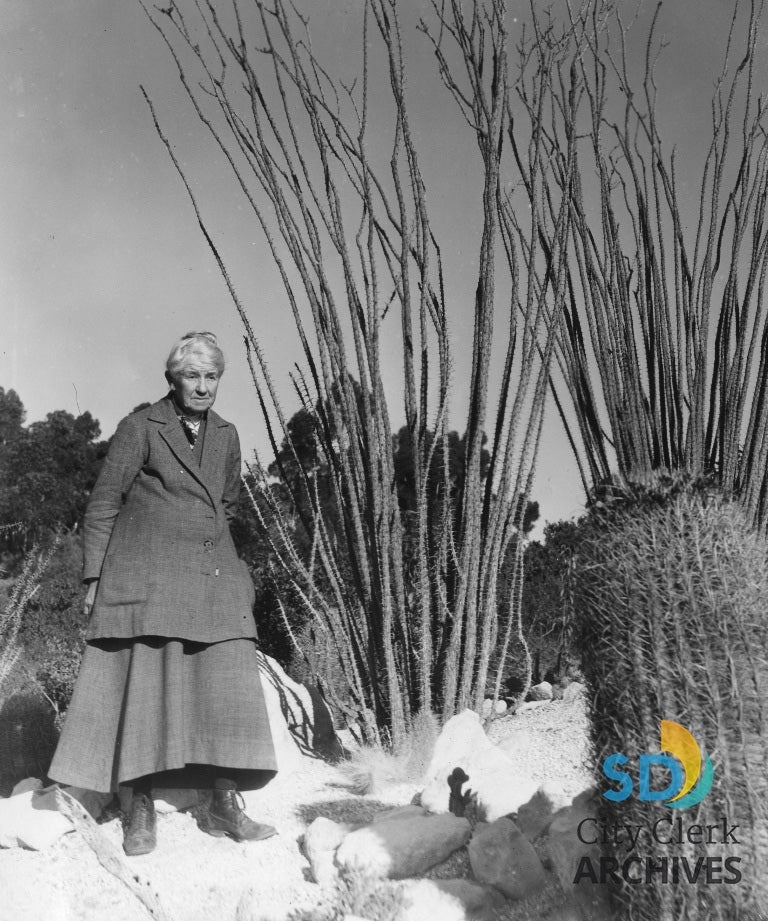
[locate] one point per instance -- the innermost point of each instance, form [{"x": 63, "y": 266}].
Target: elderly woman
[{"x": 169, "y": 692}]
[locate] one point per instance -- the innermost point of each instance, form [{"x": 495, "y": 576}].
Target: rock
[
  {"x": 403, "y": 848},
  {"x": 457, "y": 899},
  {"x": 93, "y": 802},
  {"x": 566, "y": 852},
  {"x": 493, "y": 776},
  {"x": 503, "y": 857},
  {"x": 573, "y": 690},
  {"x": 26, "y": 785},
  {"x": 289, "y": 708},
  {"x": 30, "y": 819},
  {"x": 534, "y": 816},
  {"x": 541, "y": 691},
  {"x": 321, "y": 840},
  {"x": 500, "y": 707},
  {"x": 299, "y": 711},
  {"x": 400, "y": 812}
]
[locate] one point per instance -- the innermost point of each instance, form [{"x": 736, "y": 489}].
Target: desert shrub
[
  {"x": 58, "y": 670},
  {"x": 51, "y": 634},
  {"x": 670, "y": 593},
  {"x": 372, "y": 767},
  {"x": 54, "y": 620}
]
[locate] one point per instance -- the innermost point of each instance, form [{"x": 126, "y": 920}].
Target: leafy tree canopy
[{"x": 47, "y": 470}]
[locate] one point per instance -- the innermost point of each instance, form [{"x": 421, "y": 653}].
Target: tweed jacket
[{"x": 157, "y": 533}]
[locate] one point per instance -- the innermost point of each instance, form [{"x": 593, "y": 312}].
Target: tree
[
  {"x": 46, "y": 473},
  {"x": 12, "y": 416},
  {"x": 352, "y": 240}
]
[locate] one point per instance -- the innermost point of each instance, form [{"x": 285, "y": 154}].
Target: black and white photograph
[{"x": 384, "y": 460}]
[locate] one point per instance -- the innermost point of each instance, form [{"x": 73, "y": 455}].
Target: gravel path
[{"x": 199, "y": 878}]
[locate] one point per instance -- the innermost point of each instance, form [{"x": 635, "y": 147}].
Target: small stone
[
  {"x": 541, "y": 691},
  {"x": 321, "y": 840},
  {"x": 503, "y": 857},
  {"x": 403, "y": 848}
]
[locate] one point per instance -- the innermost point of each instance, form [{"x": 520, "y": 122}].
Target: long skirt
[{"x": 183, "y": 711}]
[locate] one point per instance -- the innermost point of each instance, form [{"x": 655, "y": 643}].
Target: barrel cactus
[{"x": 670, "y": 600}]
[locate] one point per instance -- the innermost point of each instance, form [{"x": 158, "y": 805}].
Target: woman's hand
[{"x": 90, "y": 597}]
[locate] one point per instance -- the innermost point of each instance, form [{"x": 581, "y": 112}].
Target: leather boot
[
  {"x": 224, "y": 815},
  {"x": 140, "y": 835}
]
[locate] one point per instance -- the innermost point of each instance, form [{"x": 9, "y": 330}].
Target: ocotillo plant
[
  {"x": 670, "y": 593},
  {"x": 357, "y": 254},
  {"x": 662, "y": 351}
]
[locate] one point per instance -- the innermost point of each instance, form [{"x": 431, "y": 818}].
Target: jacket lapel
[
  {"x": 173, "y": 435},
  {"x": 213, "y": 447}
]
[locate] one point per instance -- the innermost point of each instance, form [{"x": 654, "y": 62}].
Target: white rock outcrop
[
  {"x": 500, "y": 786},
  {"x": 31, "y": 820}
]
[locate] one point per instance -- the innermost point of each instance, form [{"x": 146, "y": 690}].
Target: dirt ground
[{"x": 197, "y": 877}]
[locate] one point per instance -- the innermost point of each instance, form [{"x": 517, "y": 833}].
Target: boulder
[
  {"x": 444, "y": 899},
  {"x": 541, "y": 691},
  {"x": 400, "y": 812},
  {"x": 31, "y": 820},
  {"x": 321, "y": 839},
  {"x": 398, "y": 849},
  {"x": 302, "y": 710},
  {"x": 503, "y": 857},
  {"x": 534, "y": 816},
  {"x": 493, "y": 776},
  {"x": 566, "y": 852}
]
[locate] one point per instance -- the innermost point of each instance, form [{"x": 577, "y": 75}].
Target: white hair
[{"x": 191, "y": 344}]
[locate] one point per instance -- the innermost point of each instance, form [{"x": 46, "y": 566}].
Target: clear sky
[{"x": 102, "y": 264}]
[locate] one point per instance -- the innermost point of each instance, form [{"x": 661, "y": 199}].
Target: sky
[{"x": 103, "y": 266}]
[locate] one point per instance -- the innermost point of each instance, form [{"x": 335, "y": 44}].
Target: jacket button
[{"x": 208, "y": 544}]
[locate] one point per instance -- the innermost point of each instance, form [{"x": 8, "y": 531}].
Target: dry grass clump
[
  {"x": 670, "y": 591},
  {"x": 372, "y": 768},
  {"x": 357, "y": 895}
]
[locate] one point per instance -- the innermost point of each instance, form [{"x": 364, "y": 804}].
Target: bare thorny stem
[
  {"x": 663, "y": 351},
  {"x": 410, "y": 602}
]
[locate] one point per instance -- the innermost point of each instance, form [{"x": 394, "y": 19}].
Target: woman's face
[{"x": 195, "y": 384}]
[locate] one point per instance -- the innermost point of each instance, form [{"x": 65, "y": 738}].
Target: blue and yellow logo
[{"x": 690, "y": 771}]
